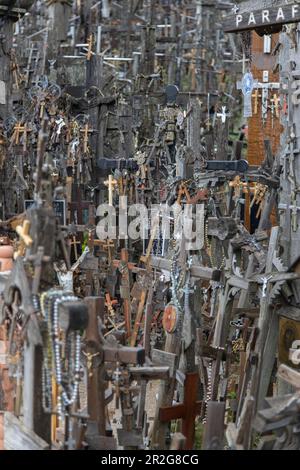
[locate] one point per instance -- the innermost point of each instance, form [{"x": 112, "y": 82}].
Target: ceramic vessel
[{"x": 6, "y": 258}]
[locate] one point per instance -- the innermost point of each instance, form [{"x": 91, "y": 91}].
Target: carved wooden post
[
  {"x": 59, "y": 15},
  {"x": 94, "y": 355},
  {"x": 8, "y": 15}
]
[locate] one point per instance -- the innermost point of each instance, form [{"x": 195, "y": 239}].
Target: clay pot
[{"x": 6, "y": 258}]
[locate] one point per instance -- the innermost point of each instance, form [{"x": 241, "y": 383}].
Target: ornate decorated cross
[{"x": 247, "y": 86}]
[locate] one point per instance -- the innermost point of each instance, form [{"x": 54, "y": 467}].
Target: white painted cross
[
  {"x": 223, "y": 115},
  {"x": 247, "y": 85}
]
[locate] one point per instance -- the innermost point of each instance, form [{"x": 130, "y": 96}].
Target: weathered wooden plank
[
  {"x": 214, "y": 429},
  {"x": 150, "y": 373},
  {"x": 164, "y": 358},
  {"x": 197, "y": 272},
  {"x": 273, "y": 15},
  {"x": 289, "y": 375},
  {"x": 124, "y": 355},
  {"x": 132, "y": 438},
  {"x": 290, "y": 312}
]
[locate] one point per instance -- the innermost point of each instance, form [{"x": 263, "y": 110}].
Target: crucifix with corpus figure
[{"x": 86, "y": 131}]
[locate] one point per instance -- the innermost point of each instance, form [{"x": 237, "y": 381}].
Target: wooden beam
[
  {"x": 197, "y": 272},
  {"x": 256, "y": 16},
  {"x": 18, "y": 437},
  {"x": 289, "y": 375},
  {"x": 124, "y": 355}
]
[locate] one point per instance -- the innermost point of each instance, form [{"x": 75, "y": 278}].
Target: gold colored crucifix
[
  {"x": 276, "y": 101},
  {"x": 110, "y": 183},
  {"x": 18, "y": 130},
  {"x": 256, "y": 95},
  {"x": 86, "y": 131}
]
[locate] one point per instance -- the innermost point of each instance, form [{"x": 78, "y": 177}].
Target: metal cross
[
  {"x": 247, "y": 85},
  {"x": 60, "y": 124},
  {"x": 265, "y": 281},
  {"x": 223, "y": 115}
]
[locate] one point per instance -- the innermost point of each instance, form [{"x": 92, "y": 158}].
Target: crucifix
[
  {"x": 256, "y": 95},
  {"x": 276, "y": 100},
  {"x": 86, "y": 131},
  {"x": 19, "y": 129},
  {"x": 110, "y": 183},
  {"x": 186, "y": 411}
]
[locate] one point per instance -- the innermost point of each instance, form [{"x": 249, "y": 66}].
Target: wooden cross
[
  {"x": 256, "y": 95},
  {"x": 238, "y": 186},
  {"x": 19, "y": 129},
  {"x": 86, "y": 131},
  {"x": 110, "y": 183},
  {"x": 90, "y": 47},
  {"x": 138, "y": 318},
  {"x": 109, "y": 246},
  {"x": 74, "y": 243},
  {"x": 109, "y": 303},
  {"x": 259, "y": 194},
  {"x": 276, "y": 101},
  {"x": 186, "y": 411}
]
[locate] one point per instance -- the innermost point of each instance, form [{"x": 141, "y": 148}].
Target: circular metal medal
[{"x": 170, "y": 318}]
